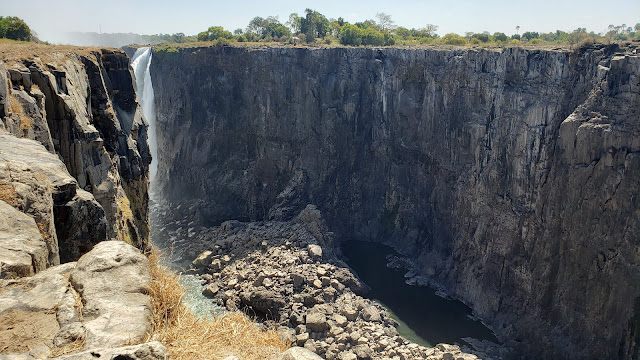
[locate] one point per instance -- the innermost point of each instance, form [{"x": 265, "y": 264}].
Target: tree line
[{"x": 314, "y": 27}]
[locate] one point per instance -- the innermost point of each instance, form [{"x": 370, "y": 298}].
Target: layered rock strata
[
  {"x": 510, "y": 175},
  {"x": 87, "y": 181}
]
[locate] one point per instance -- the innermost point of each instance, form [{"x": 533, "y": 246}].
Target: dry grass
[
  {"x": 188, "y": 337},
  {"x": 9, "y": 195},
  {"x": 25, "y": 121},
  {"x": 11, "y": 51}
]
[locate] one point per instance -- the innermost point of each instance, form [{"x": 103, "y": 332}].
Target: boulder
[
  {"x": 315, "y": 251},
  {"x": 298, "y": 353},
  {"x": 317, "y": 320},
  {"x": 211, "y": 290},
  {"x": 265, "y": 301},
  {"x": 23, "y": 251},
  {"x": 112, "y": 280}
]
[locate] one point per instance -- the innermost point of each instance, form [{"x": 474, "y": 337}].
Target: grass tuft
[{"x": 187, "y": 336}]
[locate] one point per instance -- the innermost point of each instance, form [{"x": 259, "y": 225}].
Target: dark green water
[{"x": 425, "y": 318}]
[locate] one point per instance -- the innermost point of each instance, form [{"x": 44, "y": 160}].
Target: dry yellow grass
[
  {"x": 25, "y": 121},
  {"x": 188, "y": 337},
  {"x": 8, "y": 194},
  {"x": 16, "y": 51}
]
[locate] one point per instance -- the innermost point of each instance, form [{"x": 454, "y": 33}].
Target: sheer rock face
[
  {"x": 82, "y": 110},
  {"x": 512, "y": 174}
]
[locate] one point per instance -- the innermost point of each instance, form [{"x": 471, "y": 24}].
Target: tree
[
  {"x": 431, "y": 30},
  {"x": 314, "y": 25},
  {"x": 14, "y": 28},
  {"x": 402, "y": 32},
  {"x": 276, "y": 30},
  {"x": 481, "y": 37},
  {"x": 367, "y": 24},
  {"x": 577, "y": 36},
  {"x": 294, "y": 23},
  {"x": 453, "y": 39},
  {"x": 351, "y": 35},
  {"x": 385, "y": 22},
  {"x": 530, "y": 35},
  {"x": 214, "y": 33},
  {"x": 257, "y": 25},
  {"x": 518, "y": 31},
  {"x": 501, "y": 37},
  {"x": 637, "y": 27}
]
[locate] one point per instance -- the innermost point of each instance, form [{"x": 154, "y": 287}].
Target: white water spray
[{"x": 141, "y": 62}]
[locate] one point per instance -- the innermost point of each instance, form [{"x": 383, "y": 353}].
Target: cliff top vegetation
[
  {"x": 315, "y": 29},
  {"x": 15, "y": 50}
]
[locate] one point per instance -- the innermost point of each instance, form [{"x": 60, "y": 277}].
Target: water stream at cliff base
[{"x": 424, "y": 317}]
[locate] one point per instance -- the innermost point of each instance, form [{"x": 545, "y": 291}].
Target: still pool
[{"x": 424, "y": 317}]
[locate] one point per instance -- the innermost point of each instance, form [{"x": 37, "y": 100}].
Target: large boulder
[
  {"x": 101, "y": 301},
  {"x": 112, "y": 280},
  {"x": 23, "y": 251}
]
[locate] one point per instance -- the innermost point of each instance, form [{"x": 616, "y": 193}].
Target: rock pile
[{"x": 285, "y": 275}]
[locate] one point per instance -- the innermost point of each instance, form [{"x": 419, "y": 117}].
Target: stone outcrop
[
  {"x": 510, "y": 175},
  {"x": 81, "y": 108},
  {"x": 36, "y": 182},
  {"x": 100, "y": 301},
  {"x": 23, "y": 251}
]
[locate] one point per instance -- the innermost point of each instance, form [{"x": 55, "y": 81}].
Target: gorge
[
  {"x": 510, "y": 175},
  {"x": 506, "y": 178}
]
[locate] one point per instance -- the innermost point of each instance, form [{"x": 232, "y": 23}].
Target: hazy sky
[{"x": 51, "y": 17}]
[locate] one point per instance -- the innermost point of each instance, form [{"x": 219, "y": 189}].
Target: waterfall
[{"x": 141, "y": 63}]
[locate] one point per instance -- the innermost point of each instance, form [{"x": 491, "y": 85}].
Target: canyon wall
[
  {"x": 73, "y": 154},
  {"x": 511, "y": 175}
]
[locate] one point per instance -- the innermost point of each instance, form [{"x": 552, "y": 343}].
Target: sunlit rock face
[
  {"x": 87, "y": 180},
  {"x": 510, "y": 174}
]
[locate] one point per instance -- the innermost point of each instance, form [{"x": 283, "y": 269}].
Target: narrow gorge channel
[{"x": 424, "y": 315}]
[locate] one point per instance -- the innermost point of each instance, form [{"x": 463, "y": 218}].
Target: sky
[{"x": 51, "y": 18}]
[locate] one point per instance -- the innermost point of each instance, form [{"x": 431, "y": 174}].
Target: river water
[{"x": 425, "y": 318}]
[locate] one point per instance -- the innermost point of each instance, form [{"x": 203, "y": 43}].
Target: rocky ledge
[
  {"x": 96, "y": 304},
  {"x": 287, "y": 275}
]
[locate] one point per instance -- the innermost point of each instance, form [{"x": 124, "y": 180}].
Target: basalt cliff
[
  {"x": 510, "y": 176},
  {"x": 74, "y": 153},
  {"x": 73, "y": 175}
]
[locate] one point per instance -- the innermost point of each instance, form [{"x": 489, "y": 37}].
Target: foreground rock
[
  {"x": 100, "y": 301},
  {"x": 285, "y": 274},
  {"x": 23, "y": 251}
]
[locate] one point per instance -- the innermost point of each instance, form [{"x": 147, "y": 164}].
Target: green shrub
[{"x": 453, "y": 39}]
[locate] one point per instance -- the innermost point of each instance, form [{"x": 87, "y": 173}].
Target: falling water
[
  {"x": 141, "y": 62},
  {"x": 160, "y": 231}
]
